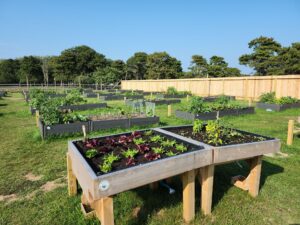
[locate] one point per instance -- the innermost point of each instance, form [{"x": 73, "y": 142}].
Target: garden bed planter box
[
  {"x": 165, "y": 101},
  {"x": 233, "y": 152},
  {"x": 100, "y": 186},
  {"x": 85, "y": 106},
  {"x": 59, "y": 129},
  {"x": 212, "y": 115},
  {"x": 277, "y": 107},
  {"x": 122, "y": 123}
]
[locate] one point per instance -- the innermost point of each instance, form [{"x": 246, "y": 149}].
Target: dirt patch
[
  {"x": 9, "y": 198},
  {"x": 51, "y": 185},
  {"x": 32, "y": 177},
  {"x": 135, "y": 212}
]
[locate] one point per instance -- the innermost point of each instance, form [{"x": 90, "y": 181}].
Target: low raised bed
[
  {"x": 276, "y": 107},
  {"x": 98, "y": 188},
  {"x": 78, "y": 107},
  {"x": 165, "y": 101},
  {"x": 213, "y": 115},
  {"x": 122, "y": 122},
  {"x": 59, "y": 129}
]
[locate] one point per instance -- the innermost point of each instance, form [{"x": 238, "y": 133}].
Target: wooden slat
[
  {"x": 206, "y": 177},
  {"x": 188, "y": 183}
]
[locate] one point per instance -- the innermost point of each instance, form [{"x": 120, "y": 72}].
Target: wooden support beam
[
  {"x": 72, "y": 183},
  {"x": 206, "y": 177},
  {"x": 188, "y": 182},
  {"x": 37, "y": 117},
  {"x": 251, "y": 182},
  {"x": 105, "y": 210},
  {"x": 169, "y": 110},
  {"x": 290, "y": 134}
]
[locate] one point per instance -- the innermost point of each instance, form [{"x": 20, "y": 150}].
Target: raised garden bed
[
  {"x": 78, "y": 107},
  {"x": 164, "y": 101},
  {"x": 59, "y": 129},
  {"x": 245, "y": 145},
  {"x": 213, "y": 115},
  {"x": 276, "y": 107},
  {"x": 108, "y": 122},
  {"x": 126, "y": 172}
]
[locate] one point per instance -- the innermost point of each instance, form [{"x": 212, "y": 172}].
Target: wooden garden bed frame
[{"x": 98, "y": 191}]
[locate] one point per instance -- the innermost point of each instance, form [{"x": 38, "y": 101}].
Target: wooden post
[
  {"x": 290, "y": 136},
  {"x": 188, "y": 183},
  {"x": 105, "y": 210},
  {"x": 169, "y": 110},
  {"x": 206, "y": 177},
  {"x": 72, "y": 183},
  {"x": 254, "y": 176},
  {"x": 250, "y": 102},
  {"x": 37, "y": 117}
]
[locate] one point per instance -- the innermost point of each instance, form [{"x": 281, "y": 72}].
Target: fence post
[{"x": 290, "y": 132}]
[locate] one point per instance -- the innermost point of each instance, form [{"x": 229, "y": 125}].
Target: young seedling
[
  {"x": 130, "y": 153},
  {"x": 159, "y": 150},
  {"x": 181, "y": 148},
  {"x": 91, "y": 153},
  {"x": 168, "y": 143},
  {"x": 157, "y": 139},
  {"x": 138, "y": 141}
]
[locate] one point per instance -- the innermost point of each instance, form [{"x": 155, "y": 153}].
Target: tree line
[{"x": 82, "y": 64}]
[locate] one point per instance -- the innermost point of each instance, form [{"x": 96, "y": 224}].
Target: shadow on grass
[{"x": 153, "y": 201}]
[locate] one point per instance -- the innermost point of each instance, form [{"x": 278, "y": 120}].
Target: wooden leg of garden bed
[
  {"x": 251, "y": 182},
  {"x": 72, "y": 183},
  {"x": 188, "y": 182},
  {"x": 105, "y": 210},
  {"x": 206, "y": 178}
]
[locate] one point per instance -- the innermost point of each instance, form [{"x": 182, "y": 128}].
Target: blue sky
[{"x": 117, "y": 29}]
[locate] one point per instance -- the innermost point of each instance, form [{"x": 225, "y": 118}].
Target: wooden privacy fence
[{"x": 241, "y": 87}]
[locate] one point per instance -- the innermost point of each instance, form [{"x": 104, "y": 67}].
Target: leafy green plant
[
  {"x": 130, "y": 153},
  {"x": 181, "y": 147},
  {"x": 138, "y": 141},
  {"x": 91, "y": 153},
  {"x": 172, "y": 91},
  {"x": 197, "y": 126},
  {"x": 109, "y": 159},
  {"x": 168, "y": 143},
  {"x": 158, "y": 150},
  {"x": 268, "y": 98},
  {"x": 157, "y": 139}
]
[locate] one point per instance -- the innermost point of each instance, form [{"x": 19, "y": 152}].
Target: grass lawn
[{"x": 33, "y": 178}]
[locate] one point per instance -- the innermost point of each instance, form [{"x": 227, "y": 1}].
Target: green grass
[{"x": 22, "y": 151}]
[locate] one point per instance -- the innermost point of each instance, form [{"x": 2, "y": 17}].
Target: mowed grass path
[{"x": 45, "y": 201}]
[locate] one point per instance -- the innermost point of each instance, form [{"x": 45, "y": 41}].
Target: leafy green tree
[
  {"x": 199, "y": 66},
  {"x": 160, "y": 65},
  {"x": 9, "y": 71},
  {"x": 136, "y": 67},
  {"x": 264, "y": 56},
  {"x": 30, "y": 69}
]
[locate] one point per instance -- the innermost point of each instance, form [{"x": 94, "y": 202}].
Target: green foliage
[
  {"x": 268, "y": 98},
  {"x": 91, "y": 153},
  {"x": 172, "y": 91},
  {"x": 161, "y": 65},
  {"x": 168, "y": 143},
  {"x": 181, "y": 147},
  {"x": 138, "y": 141},
  {"x": 130, "y": 153},
  {"x": 158, "y": 150},
  {"x": 157, "y": 138},
  {"x": 108, "y": 160},
  {"x": 197, "y": 126}
]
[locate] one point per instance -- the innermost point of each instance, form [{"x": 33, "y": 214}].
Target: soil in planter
[
  {"x": 119, "y": 143},
  {"x": 201, "y": 136}
]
